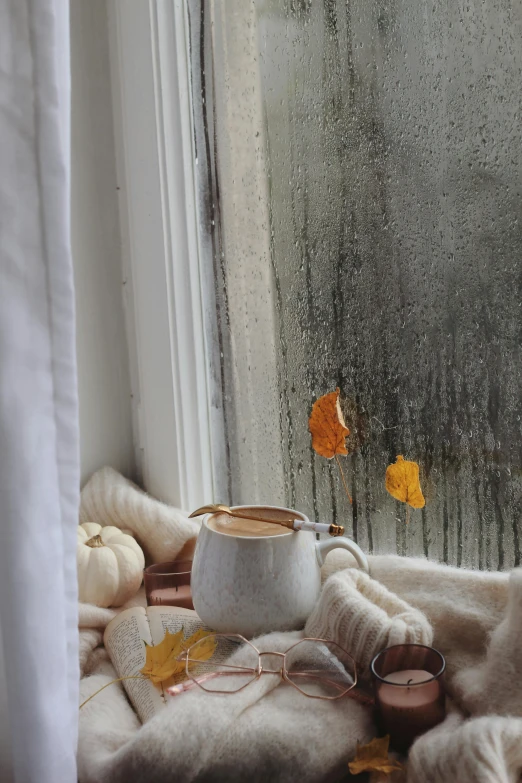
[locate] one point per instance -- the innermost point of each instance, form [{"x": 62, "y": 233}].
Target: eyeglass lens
[
  {"x": 316, "y": 668},
  {"x": 234, "y": 664}
]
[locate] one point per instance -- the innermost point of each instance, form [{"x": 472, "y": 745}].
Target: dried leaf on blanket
[
  {"x": 373, "y": 757},
  {"x": 161, "y": 663}
]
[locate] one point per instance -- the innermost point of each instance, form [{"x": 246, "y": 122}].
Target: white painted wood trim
[{"x": 161, "y": 262}]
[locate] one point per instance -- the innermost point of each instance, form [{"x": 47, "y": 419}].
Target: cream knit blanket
[
  {"x": 272, "y": 733},
  {"x": 163, "y": 532}
]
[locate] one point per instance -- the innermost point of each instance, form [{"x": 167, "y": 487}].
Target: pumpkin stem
[{"x": 94, "y": 542}]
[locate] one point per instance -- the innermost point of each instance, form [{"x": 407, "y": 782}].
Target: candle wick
[{"x": 410, "y": 680}]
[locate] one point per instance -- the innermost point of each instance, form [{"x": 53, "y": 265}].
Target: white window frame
[
  {"x": 169, "y": 292},
  {"x": 160, "y": 251}
]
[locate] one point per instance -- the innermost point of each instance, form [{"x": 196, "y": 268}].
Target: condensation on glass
[{"x": 360, "y": 175}]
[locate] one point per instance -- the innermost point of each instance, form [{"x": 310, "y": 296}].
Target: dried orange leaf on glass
[
  {"x": 373, "y": 757},
  {"x": 161, "y": 663},
  {"x": 327, "y": 426},
  {"x": 402, "y": 482}
]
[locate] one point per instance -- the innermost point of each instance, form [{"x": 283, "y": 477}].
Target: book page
[
  {"x": 124, "y": 640},
  {"x": 172, "y": 619}
]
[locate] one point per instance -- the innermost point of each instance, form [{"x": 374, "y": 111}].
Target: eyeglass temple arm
[
  {"x": 181, "y": 687},
  {"x": 183, "y": 657},
  {"x": 355, "y": 693}
]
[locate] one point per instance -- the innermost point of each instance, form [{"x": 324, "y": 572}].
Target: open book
[{"x": 124, "y": 640}]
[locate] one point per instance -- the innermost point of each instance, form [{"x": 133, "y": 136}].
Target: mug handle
[{"x": 323, "y": 547}]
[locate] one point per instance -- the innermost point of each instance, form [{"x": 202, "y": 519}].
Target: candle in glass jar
[
  {"x": 168, "y": 584},
  {"x": 171, "y": 596},
  {"x": 410, "y": 703}
]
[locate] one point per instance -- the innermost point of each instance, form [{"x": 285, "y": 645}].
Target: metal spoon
[{"x": 292, "y": 524}]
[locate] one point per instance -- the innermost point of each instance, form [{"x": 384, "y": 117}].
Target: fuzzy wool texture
[
  {"x": 271, "y": 732},
  {"x": 477, "y": 624},
  {"x": 364, "y": 617},
  {"x": 495, "y": 685},
  {"x": 266, "y": 732},
  {"x": 480, "y": 750},
  {"x": 162, "y": 531},
  {"x": 464, "y": 607}
]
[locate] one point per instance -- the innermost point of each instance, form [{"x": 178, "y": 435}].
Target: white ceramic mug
[{"x": 253, "y": 585}]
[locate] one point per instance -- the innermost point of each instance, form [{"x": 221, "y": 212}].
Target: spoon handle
[
  {"x": 291, "y": 524},
  {"x": 319, "y": 527},
  {"x": 219, "y": 508}
]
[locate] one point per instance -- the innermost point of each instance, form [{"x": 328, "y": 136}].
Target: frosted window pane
[{"x": 381, "y": 143}]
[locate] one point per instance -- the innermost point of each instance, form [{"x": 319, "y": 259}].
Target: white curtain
[{"x": 39, "y": 471}]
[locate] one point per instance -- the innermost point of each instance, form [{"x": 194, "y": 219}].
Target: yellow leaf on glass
[
  {"x": 373, "y": 757},
  {"x": 402, "y": 482},
  {"x": 327, "y": 426},
  {"x": 161, "y": 663}
]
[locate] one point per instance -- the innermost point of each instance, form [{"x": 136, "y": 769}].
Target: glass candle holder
[
  {"x": 168, "y": 584},
  {"x": 409, "y": 692}
]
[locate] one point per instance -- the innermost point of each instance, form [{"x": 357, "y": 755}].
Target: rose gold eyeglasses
[{"x": 227, "y": 663}]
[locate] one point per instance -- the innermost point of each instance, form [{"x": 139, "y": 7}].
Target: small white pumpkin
[{"x": 110, "y": 565}]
